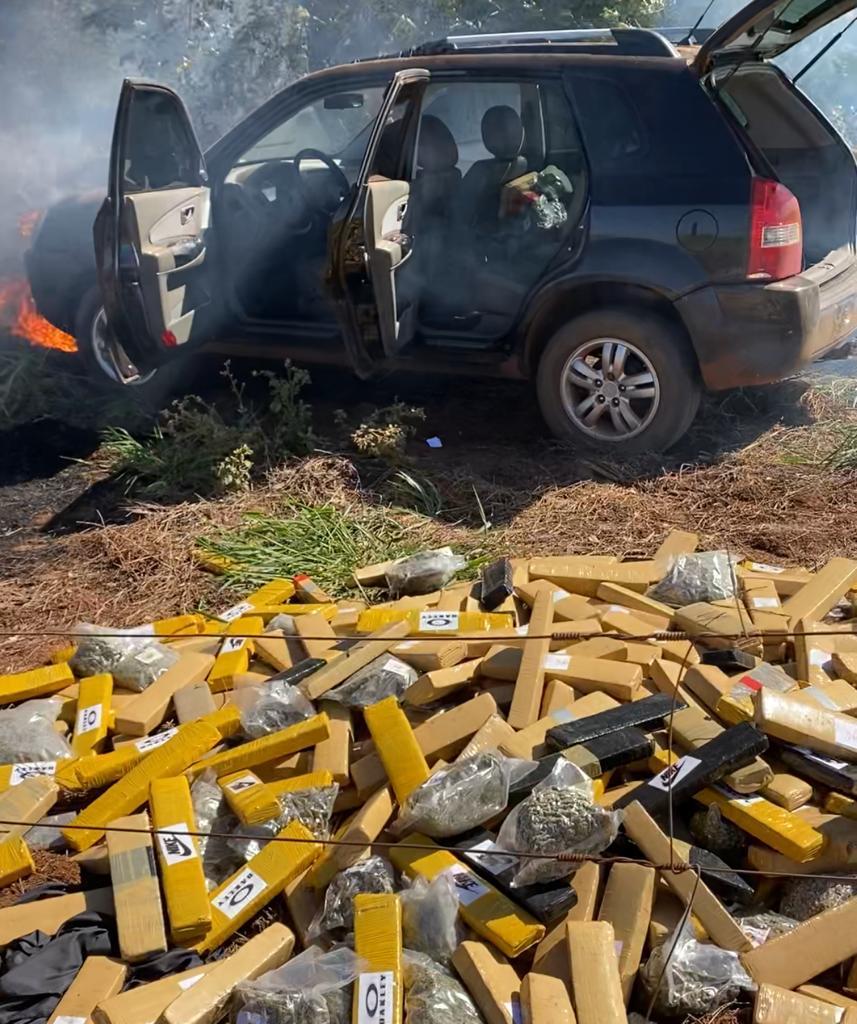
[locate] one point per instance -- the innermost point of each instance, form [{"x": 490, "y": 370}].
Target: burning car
[{"x": 517, "y": 205}]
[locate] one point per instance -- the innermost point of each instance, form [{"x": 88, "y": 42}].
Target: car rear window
[{"x": 653, "y": 135}]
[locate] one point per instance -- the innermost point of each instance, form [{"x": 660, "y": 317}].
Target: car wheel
[
  {"x": 108, "y": 364},
  {"x": 623, "y": 380}
]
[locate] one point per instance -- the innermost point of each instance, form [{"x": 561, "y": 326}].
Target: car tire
[
  {"x": 644, "y": 401},
  {"x": 150, "y": 393}
]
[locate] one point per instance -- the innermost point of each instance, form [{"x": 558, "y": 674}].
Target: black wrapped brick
[
  {"x": 546, "y": 902},
  {"x": 731, "y": 749},
  {"x": 611, "y": 750},
  {"x": 641, "y": 714},
  {"x": 828, "y": 771},
  {"x": 496, "y": 583}
]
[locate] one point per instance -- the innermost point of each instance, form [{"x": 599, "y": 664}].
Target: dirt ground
[{"x": 751, "y": 476}]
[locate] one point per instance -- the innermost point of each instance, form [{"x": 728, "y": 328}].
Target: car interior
[{"x": 480, "y": 201}]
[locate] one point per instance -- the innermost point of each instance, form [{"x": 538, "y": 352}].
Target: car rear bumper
[{"x": 754, "y": 334}]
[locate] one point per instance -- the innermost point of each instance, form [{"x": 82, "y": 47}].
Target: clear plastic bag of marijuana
[
  {"x": 458, "y": 798},
  {"x": 27, "y": 734},
  {"x": 705, "y": 576},
  {"x": 430, "y": 922},
  {"x": 312, "y": 807},
  {"x": 219, "y": 860},
  {"x": 386, "y": 676},
  {"x": 424, "y": 572},
  {"x": 433, "y": 995},
  {"x": 697, "y": 977},
  {"x": 312, "y": 988},
  {"x": 763, "y": 925},
  {"x": 560, "y": 816},
  {"x": 269, "y": 707},
  {"x": 134, "y": 659},
  {"x": 805, "y": 897},
  {"x": 375, "y": 874}
]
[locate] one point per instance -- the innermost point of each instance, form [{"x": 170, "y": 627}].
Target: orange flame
[{"x": 19, "y": 317}]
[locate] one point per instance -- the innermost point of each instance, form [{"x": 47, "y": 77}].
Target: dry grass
[{"x": 765, "y": 493}]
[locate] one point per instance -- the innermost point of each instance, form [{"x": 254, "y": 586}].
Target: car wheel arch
[{"x": 564, "y": 304}]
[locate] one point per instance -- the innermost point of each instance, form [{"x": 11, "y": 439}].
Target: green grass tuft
[{"x": 324, "y": 541}]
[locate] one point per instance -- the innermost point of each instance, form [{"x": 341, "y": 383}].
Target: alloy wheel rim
[
  {"x": 610, "y": 389},
  {"x": 112, "y": 359}
]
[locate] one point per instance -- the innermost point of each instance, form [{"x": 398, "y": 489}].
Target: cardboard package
[{"x": 491, "y": 981}]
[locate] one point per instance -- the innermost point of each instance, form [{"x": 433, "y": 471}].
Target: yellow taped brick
[
  {"x": 433, "y": 623},
  {"x": 276, "y": 591},
  {"x": 179, "y": 625},
  {"x": 12, "y": 775},
  {"x": 274, "y": 747},
  {"x": 487, "y": 911},
  {"x": 63, "y": 654},
  {"x": 250, "y": 800},
  {"x": 244, "y": 893},
  {"x": 185, "y": 891},
  {"x": 233, "y": 658},
  {"x": 378, "y": 942},
  {"x": 268, "y": 612},
  {"x": 93, "y": 714},
  {"x": 132, "y": 791},
  {"x": 16, "y": 860},
  {"x": 100, "y": 769},
  {"x": 397, "y": 747},
  {"x": 37, "y": 682}
]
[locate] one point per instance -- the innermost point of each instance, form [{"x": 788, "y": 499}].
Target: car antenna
[
  {"x": 827, "y": 46},
  {"x": 687, "y": 39}
]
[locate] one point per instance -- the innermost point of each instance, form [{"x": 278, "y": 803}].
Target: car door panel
[
  {"x": 152, "y": 234},
  {"x": 389, "y": 248},
  {"x": 371, "y": 248}
]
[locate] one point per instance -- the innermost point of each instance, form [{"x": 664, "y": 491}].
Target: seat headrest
[
  {"x": 437, "y": 150},
  {"x": 502, "y": 132}
]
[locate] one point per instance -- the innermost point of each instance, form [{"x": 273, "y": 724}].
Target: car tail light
[{"x": 776, "y": 237}]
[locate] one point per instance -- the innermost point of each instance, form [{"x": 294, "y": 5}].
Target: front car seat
[{"x": 503, "y": 136}]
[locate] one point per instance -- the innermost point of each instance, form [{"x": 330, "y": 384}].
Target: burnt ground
[{"x": 752, "y": 475}]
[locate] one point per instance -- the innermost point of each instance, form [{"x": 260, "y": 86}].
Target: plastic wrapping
[
  {"x": 713, "y": 832},
  {"x": 311, "y": 807},
  {"x": 699, "y": 977},
  {"x": 765, "y": 925},
  {"x": 270, "y": 707},
  {"x": 386, "y": 676},
  {"x": 374, "y": 875},
  {"x": 219, "y": 860},
  {"x": 770, "y": 676},
  {"x": 705, "y": 576},
  {"x": 433, "y": 995},
  {"x": 134, "y": 659},
  {"x": 312, "y": 988},
  {"x": 552, "y": 189},
  {"x": 805, "y": 897},
  {"x": 430, "y": 917},
  {"x": 559, "y": 816},
  {"x": 458, "y": 798},
  {"x": 285, "y": 623},
  {"x": 424, "y": 572},
  {"x": 27, "y": 733}
]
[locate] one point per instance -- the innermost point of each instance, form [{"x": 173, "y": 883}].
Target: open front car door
[
  {"x": 373, "y": 243},
  {"x": 153, "y": 230}
]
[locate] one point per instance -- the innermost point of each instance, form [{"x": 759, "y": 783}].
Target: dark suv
[{"x": 624, "y": 224}]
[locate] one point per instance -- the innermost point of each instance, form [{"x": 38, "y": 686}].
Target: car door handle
[{"x": 186, "y": 250}]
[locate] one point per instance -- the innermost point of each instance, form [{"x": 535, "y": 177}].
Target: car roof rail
[{"x": 638, "y": 42}]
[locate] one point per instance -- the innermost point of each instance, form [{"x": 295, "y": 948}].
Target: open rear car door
[
  {"x": 372, "y": 242},
  {"x": 152, "y": 232},
  {"x": 766, "y": 28}
]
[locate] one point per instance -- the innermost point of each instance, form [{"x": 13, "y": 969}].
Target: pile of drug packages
[{"x": 577, "y": 789}]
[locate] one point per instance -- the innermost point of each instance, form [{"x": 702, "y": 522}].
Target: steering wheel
[{"x": 324, "y": 197}]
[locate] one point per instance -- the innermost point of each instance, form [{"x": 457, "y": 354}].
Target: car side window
[
  {"x": 334, "y": 124},
  {"x": 159, "y": 149},
  {"x": 461, "y": 105},
  {"x": 611, "y": 124}
]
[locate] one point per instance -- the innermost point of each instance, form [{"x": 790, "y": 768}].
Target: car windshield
[{"x": 330, "y": 124}]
